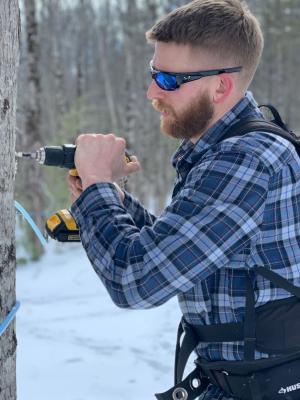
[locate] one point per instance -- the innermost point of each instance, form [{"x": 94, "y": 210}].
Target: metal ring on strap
[{"x": 180, "y": 392}]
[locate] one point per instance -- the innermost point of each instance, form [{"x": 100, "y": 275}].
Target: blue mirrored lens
[{"x": 166, "y": 81}]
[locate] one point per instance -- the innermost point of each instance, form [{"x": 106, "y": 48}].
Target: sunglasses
[{"x": 172, "y": 80}]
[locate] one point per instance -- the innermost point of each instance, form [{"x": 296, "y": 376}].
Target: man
[{"x": 233, "y": 201}]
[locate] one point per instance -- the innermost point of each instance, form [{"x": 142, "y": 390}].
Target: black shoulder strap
[
  {"x": 278, "y": 280},
  {"x": 248, "y": 125},
  {"x": 276, "y": 116}
]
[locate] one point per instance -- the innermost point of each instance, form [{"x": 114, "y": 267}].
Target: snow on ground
[{"x": 75, "y": 344}]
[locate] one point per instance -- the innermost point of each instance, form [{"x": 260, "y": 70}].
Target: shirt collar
[{"x": 189, "y": 151}]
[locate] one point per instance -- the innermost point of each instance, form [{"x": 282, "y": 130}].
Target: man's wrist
[{"x": 93, "y": 180}]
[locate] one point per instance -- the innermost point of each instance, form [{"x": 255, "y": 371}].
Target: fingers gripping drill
[{"x": 61, "y": 225}]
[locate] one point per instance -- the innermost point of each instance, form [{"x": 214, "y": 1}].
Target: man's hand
[
  {"x": 101, "y": 158},
  {"x": 75, "y": 187}
]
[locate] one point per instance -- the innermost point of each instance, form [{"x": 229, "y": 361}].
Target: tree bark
[
  {"x": 106, "y": 73},
  {"x": 9, "y": 56},
  {"x": 35, "y": 198}
]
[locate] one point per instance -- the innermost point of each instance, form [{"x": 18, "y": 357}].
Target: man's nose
[{"x": 154, "y": 91}]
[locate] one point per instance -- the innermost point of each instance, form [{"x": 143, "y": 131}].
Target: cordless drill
[{"x": 61, "y": 225}]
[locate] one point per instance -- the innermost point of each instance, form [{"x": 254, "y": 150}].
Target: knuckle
[
  {"x": 83, "y": 137},
  {"x": 79, "y": 138},
  {"x": 121, "y": 142},
  {"x": 110, "y": 136}
]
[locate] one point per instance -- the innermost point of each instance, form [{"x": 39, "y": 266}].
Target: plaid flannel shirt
[{"x": 235, "y": 205}]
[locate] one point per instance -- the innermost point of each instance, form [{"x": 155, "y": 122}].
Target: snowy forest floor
[{"x": 75, "y": 344}]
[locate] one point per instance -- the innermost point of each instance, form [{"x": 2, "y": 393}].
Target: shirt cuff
[{"x": 99, "y": 195}]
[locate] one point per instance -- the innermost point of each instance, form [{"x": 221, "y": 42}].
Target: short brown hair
[{"x": 225, "y": 28}]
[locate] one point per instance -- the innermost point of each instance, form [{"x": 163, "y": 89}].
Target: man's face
[
  {"x": 190, "y": 121},
  {"x": 187, "y": 112}
]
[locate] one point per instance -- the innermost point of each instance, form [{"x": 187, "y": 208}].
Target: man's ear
[{"x": 224, "y": 88}]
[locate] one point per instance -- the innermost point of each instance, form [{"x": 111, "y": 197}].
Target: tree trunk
[
  {"x": 129, "y": 21},
  {"x": 80, "y": 73},
  {"x": 105, "y": 71},
  {"x": 9, "y": 56},
  {"x": 53, "y": 80},
  {"x": 35, "y": 198}
]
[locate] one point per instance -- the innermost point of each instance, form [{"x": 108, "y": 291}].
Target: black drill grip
[{"x": 60, "y": 156}]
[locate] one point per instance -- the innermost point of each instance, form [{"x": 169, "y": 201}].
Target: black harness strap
[
  {"x": 248, "y": 125},
  {"x": 184, "y": 348},
  {"x": 277, "y": 120},
  {"x": 278, "y": 280},
  {"x": 189, "y": 389},
  {"x": 198, "y": 380},
  {"x": 193, "y": 335},
  {"x": 249, "y": 324},
  {"x": 233, "y": 331}
]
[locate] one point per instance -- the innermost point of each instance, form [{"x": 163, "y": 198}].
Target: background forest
[{"x": 84, "y": 68}]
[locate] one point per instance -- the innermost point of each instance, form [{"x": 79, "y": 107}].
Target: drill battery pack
[{"x": 62, "y": 227}]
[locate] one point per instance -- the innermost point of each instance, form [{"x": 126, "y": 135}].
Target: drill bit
[
  {"x": 20, "y": 154},
  {"x": 38, "y": 155}
]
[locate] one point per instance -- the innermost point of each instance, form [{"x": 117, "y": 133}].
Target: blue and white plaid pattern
[{"x": 235, "y": 205}]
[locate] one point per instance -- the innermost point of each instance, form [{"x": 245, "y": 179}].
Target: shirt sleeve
[
  {"x": 216, "y": 213},
  {"x": 140, "y": 215}
]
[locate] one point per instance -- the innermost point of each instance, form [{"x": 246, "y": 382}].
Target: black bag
[{"x": 268, "y": 379}]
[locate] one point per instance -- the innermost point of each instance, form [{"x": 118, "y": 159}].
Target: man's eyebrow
[
  {"x": 162, "y": 69},
  {"x": 158, "y": 69}
]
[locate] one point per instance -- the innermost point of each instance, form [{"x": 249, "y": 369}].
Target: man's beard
[{"x": 191, "y": 122}]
